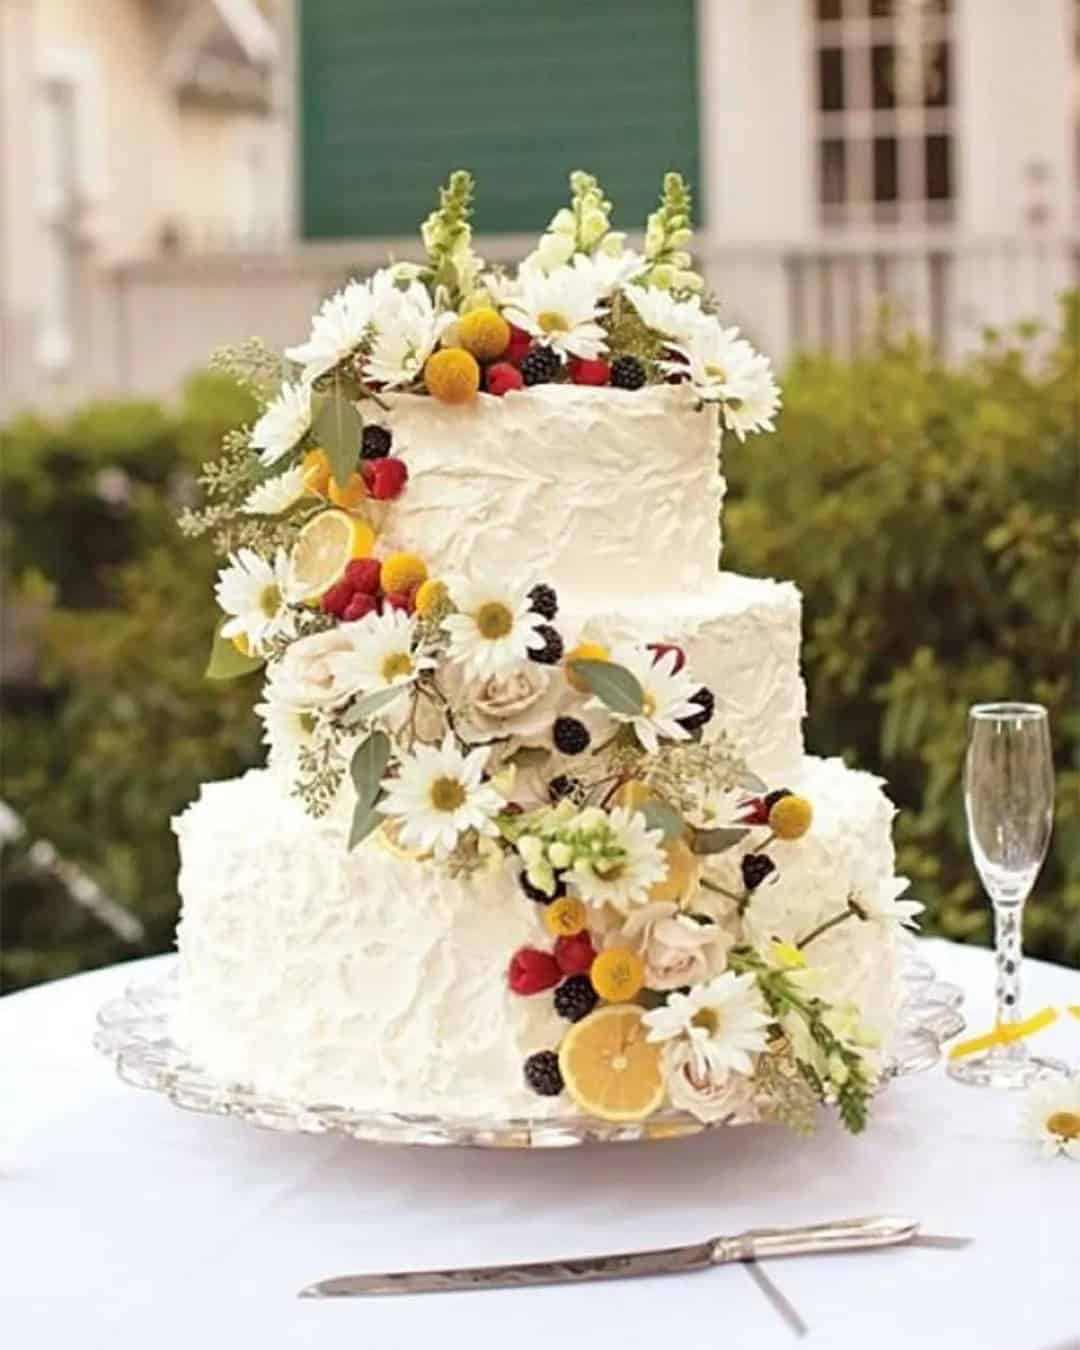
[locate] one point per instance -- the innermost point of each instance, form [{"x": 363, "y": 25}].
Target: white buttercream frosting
[{"x": 601, "y": 492}]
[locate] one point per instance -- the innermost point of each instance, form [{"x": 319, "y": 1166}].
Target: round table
[{"x": 129, "y": 1223}]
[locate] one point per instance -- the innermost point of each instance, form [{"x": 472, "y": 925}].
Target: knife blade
[{"x": 754, "y": 1245}]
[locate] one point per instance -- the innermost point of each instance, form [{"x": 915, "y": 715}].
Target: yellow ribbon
[{"x": 1007, "y": 1032}]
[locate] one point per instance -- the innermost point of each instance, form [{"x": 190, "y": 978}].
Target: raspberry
[
  {"x": 542, "y": 1073},
  {"x": 575, "y": 998},
  {"x": 335, "y": 601},
  {"x": 542, "y": 897},
  {"x": 540, "y": 366},
  {"x": 362, "y": 574},
  {"x": 705, "y": 701},
  {"x": 570, "y": 736},
  {"x": 755, "y": 868},
  {"x": 589, "y": 372},
  {"x": 562, "y": 786},
  {"x": 359, "y": 606},
  {"x": 627, "y": 372},
  {"x": 575, "y": 954},
  {"x": 551, "y": 653},
  {"x": 403, "y": 600},
  {"x": 773, "y": 797},
  {"x": 519, "y": 345},
  {"x": 757, "y": 811},
  {"x": 532, "y": 971},
  {"x": 375, "y": 442},
  {"x": 385, "y": 477},
  {"x": 661, "y": 649},
  {"x": 500, "y": 378},
  {"x": 543, "y": 600}
]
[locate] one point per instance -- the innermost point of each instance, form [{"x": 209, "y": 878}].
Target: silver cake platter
[{"x": 134, "y": 1031}]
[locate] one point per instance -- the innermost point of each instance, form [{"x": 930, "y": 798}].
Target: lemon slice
[
  {"x": 609, "y": 1068},
  {"x": 325, "y": 547}
]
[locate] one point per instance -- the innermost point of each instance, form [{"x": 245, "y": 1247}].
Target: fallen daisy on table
[{"x": 1051, "y": 1116}]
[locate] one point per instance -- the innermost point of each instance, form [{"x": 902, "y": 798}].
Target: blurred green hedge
[{"x": 929, "y": 515}]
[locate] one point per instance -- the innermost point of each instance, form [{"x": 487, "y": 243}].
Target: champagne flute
[{"x": 1009, "y": 804}]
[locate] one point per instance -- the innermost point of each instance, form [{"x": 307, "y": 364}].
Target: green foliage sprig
[
  {"x": 667, "y": 236},
  {"x": 447, "y": 235}
]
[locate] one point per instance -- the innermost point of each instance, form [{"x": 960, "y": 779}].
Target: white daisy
[
  {"x": 494, "y": 626},
  {"x": 276, "y": 495},
  {"x": 1051, "y": 1116},
  {"x": 381, "y": 653},
  {"x": 285, "y": 422},
  {"x": 256, "y": 595},
  {"x": 438, "y": 794},
  {"x": 724, "y": 368},
  {"x": 667, "y": 696},
  {"x": 618, "y": 857},
  {"x": 883, "y": 903},
  {"x": 723, "y": 1021},
  {"x": 340, "y": 327},
  {"x": 611, "y": 271},
  {"x": 754, "y": 398},
  {"x": 286, "y": 729},
  {"x": 560, "y": 308},
  {"x": 678, "y": 320},
  {"x": 405, "y": 330}
]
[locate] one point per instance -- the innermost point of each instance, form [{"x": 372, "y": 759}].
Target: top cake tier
[{"x": 599, "y": 492}]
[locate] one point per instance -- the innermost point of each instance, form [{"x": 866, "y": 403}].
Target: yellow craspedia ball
[
  {"x": 618, "y": 974},
  {"x": 401, "y": 572},
  {"x": 565, "y": 917},
  {"x": 584, "y": 651},
  {"x": 484, "y": 332},
  {"x": 452, "y": 375},
  {"x": 790, "y": 817},
  {"x": 431, "y": 597}
]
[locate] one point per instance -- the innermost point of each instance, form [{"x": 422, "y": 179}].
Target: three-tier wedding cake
[{"x": 538, "y": 836}]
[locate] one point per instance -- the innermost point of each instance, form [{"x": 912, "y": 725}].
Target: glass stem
[{"x": 1008, "y": 927}]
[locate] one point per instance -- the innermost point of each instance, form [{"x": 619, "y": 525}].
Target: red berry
[
  {"x": 589, "y": 372},
  {"x": 756, "y": 812},
  {"x": 677, "y": 377},
  {"x": 362, "y": 574},
  {"x": 575, "y": 955},
  {"x": 532, "y": 971},
  {"x": 502, "y": 377},
  {"x": 400, "y": 600},
  {"x": 385, "y": 477},
  {"x": 661, "y": 649},
  {"x": 335, "y": 601},
  {"x": 519, "y": 345},
  {"x": 360, "y": 605}
]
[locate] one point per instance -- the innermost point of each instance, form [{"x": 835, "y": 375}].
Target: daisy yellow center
[
  {"x": 397, "y": 663},
  {"x": 1064, "y": 1124},
  {"x": 551, "y": 321},
  {"x": 494, "y": 620},
  {"x": 306, "y": 722},
  {"x": 648, "y": 704},
  {"x": 447, "y": 794},
  {"x": 609, "y": 869},
  {"x": 270, "y": 600},
  {"x": 708, "y": 1019},
  {"x": 716, "y": 372}
]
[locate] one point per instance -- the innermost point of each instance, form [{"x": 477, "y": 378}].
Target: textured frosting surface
[
  {"x": 595, "y": 490},
  {"x": 379, "y": 983}
]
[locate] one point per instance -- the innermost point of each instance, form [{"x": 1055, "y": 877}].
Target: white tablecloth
[{"x": 125, "y": 1222}]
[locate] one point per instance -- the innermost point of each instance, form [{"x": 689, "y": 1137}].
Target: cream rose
[
  {"x": 303, "y": 677},
  {"x": 519, "y": 701},
  {"x": 676, "y": 949},
  {"x": 710, "y": 1097}
]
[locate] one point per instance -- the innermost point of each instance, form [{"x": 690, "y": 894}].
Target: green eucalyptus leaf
[
  {"x": 718, "y": 840},
  {"x": 615, "y": 686},
  {"x": 337, "y": 427},
  {"x": 662, "y": 816},
  {"x": 368, "y": 767},
  {"x": 366, "y": 818},
  {"x": 371, "y": 703},
  {"x": 226, "y": 661}
]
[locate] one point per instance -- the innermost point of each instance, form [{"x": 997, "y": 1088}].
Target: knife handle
[{"x": 814, "y": 1239}]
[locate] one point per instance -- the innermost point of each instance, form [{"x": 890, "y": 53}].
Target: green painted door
[{"x": 397, "y": 93}]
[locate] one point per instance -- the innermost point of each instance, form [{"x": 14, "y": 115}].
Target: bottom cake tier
[{"x": 375, "y": 982}]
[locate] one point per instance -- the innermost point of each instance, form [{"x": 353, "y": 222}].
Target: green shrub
[{"x": 928, "y": 514}]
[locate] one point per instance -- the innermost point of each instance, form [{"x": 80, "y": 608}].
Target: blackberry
[
  {"x": 540, "y": 366},
  {"x": 571, "y": 737},
  {"x": 551, "y": 653},
  {"x": 562, "y": 786},
  {"x": 543, "y": 600},
  {"x": 773, "y": 797},
  {"x": 542, "y": 1073},
  {"x": 627, "y": 372},
  {"x": 705, "y": 701},
  {"x": 375, "y": 442},
  {"x": 755, "y": 868},
  {"x": 575, "y": 998},
  {"x": 542, "y": 897}
]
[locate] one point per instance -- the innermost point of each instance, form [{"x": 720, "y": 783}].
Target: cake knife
[{"x": 756, "y": 1244}]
